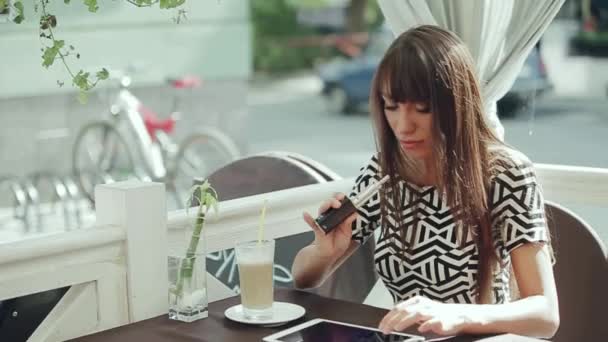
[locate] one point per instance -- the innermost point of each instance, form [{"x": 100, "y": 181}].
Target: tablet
[{"x": 323, "y": 330}]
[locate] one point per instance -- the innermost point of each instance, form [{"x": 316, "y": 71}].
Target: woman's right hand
[{"x": 336, "y": 242}]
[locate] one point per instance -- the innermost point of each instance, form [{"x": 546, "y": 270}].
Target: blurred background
[{"x": 261, "y": 75}]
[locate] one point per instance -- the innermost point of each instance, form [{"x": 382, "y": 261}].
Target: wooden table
[{"x": 218, "y": 328}]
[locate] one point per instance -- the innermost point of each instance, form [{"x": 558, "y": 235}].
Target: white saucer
[{"x": 281, "y": 313}]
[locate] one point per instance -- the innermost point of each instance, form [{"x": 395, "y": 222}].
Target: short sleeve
[
  {"x": 518, "y": 209},
  {"x": 368, "y": 217}
]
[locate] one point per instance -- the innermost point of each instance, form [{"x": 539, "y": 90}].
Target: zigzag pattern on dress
[
  {"x": 437, "y": 265},
  {"x": 518, "y": 207}
]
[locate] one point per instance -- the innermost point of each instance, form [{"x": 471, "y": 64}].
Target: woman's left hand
[{"x": 440, "y": 318}]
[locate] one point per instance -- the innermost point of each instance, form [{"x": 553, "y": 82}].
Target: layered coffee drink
[
  {"x": 256, "y": 284},
  {"x": 255, "y": 260}
]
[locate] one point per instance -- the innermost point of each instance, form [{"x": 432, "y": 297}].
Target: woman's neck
[{"x": 425, "y": 174}]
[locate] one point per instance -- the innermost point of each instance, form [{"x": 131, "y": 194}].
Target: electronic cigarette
[{"x": 333, "y": 217}]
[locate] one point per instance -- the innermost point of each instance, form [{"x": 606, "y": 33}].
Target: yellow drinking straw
[{"x": 261, "y": 228}]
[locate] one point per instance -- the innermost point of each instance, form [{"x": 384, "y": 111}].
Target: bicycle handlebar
[
  {"x": 120, "y": 77},
  {"x": 185, "y": 82},
  {"x": 188, "y": 81}
]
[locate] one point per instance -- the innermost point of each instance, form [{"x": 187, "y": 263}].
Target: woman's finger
[
  {"x": 311, "y": 222},
  {"x": 386, "y": 319},
  {"x": 390, "y": 321},
  {"x": 433, "y": 325},
  {"x": 409, "y": 302},
  {"x": 335, "y": 203},
  {"x": 339, "y": 196},
  {"x": 330, "y": 203},
  {"x": 406, "y": 321},
  {"x": 324, "y": 206}
]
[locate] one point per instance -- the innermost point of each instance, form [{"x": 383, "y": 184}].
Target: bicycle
[{"x": 133, "y": 142}]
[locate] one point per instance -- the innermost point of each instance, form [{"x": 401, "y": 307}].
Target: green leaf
[
  {"x": 48, "y": 21},
  {"x": 50, "y": 53},
  {"x": 83, "y": 97},
  {"x": 18, "y": 19},
  {"x": 143, "y": 3},
  {"x": 103, "y": 74},
  {"x": 209, "y": 199},
  {"x": 2, "y": 5},
  {"x": 204, "y": 197},
  {"x": 48, "y": 57},
  {"x": 216, "y": 208},
  {"x": 19, "y": 6},
  {"x": 92, "y": 5},
  {"x": 66, "y": 2},
  {"x": 166, "y": 4},
  {"x": 81, "y": 80}
]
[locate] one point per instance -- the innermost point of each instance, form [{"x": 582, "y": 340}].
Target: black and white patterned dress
[{"x": 438, "y": 266}]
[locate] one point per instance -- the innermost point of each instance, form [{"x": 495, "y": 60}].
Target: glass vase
[{"x": 188, "y": 299}]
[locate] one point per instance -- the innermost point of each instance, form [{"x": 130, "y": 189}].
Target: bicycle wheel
[
  {"x": 199, "y": 155},
  {"x": 100, "y": 155}
]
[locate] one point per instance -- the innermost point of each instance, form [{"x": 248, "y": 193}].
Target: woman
[{"x": 461, "y": 221}]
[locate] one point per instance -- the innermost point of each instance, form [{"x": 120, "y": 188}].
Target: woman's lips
[{"x": 410, "y": 144}]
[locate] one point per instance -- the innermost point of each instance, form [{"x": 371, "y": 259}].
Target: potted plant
[{"x": 187, "y": 272}]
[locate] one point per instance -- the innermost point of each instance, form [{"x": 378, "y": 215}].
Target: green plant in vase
[{"x": 187, "y": 291}]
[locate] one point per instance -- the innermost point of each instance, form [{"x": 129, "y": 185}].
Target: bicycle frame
[{"x": 151, "y": 152}]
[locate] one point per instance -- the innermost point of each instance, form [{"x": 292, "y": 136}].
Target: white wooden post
[{"x": 140, "y": 208}]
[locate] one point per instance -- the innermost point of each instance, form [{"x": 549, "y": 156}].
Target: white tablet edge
[{"x": 283, "y": 333}]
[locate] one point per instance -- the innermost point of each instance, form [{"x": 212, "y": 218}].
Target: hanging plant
[{"x": 56, "y": 49}]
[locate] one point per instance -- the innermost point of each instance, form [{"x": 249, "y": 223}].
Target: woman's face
[{"x": 411, "y": 123}]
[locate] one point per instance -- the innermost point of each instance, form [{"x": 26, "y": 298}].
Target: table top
[{"x": 218, "y": 328}]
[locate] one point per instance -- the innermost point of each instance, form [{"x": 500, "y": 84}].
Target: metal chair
[{"x": 324, "y": 171}]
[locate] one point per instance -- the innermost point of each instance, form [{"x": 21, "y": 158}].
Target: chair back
[
  {"x": 274, "y": 171},
  {"x": 581, "y": 276}
]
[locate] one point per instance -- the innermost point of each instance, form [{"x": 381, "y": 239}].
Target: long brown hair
[{"x": 431, "y": 65}]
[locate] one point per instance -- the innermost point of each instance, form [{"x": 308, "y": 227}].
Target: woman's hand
[
  {"x": 336, "y": 242},
  {"x": 433, "y": 316}
]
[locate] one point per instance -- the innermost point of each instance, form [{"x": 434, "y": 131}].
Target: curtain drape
[{"x": 498, "y": 33}]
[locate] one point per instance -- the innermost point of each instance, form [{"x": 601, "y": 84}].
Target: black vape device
[{"x": 332, "y": 217}]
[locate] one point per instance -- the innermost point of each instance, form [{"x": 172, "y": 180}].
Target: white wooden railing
[
  {"x": 118, "y": 268},
  {"x": 574, "y": 184}
]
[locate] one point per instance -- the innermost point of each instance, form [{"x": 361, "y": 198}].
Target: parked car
[
  {"x": 531, "y": 81},
  {"x": 346, "y": 83}
]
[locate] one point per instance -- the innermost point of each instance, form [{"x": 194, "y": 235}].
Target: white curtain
[{"x": 498, "y": 33}]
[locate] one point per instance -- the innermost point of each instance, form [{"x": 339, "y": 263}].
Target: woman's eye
[
  {"x": 390, "y": 106},
  {"x": 423, "y": 108}
]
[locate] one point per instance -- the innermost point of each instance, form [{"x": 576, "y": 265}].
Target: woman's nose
[{"x": 405, "y": 124}]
